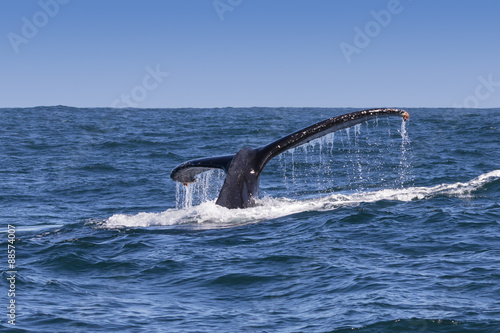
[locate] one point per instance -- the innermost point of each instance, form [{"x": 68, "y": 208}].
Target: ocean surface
[{"x": 384, "y": 227}]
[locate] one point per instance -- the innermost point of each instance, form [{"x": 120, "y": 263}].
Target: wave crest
[{"x": 208, "y": 215}]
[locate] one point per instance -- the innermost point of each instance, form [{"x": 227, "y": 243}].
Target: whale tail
[{"x": 243, "y": 169}]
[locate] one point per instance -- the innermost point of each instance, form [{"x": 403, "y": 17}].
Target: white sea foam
[{"x": 209, "y": 215}]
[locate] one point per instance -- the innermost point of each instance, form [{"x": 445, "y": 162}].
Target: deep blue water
[{"x": 386, "y": 227}]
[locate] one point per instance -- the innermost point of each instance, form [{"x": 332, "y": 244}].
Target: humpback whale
[{"x": 241, "y": 185}]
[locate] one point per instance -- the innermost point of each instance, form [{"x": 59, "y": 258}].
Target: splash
[
  {"x": 405, "y": 171},
  {"x": 357, "y": 158},
  {"x": 206, "y": 188},
  {"x": 208, "y": 215}
]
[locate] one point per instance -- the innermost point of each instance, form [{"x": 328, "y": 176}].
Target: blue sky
[{"x": 243, "y": 53}]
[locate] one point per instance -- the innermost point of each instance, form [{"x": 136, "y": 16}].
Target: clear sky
[{"x": 243, "y": 53}]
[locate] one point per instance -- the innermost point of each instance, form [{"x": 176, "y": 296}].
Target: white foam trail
[{"x": 209, "y": 215}]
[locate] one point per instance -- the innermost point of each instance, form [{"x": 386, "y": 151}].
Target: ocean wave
[{"x": 208, "y": 215}]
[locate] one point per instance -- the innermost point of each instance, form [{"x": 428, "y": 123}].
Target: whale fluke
[{"x": 243, "y": 169}]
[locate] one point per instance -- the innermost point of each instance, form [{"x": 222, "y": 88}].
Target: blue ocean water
[{"x": 385, "y": 227}]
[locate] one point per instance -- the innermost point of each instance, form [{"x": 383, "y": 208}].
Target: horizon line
[{"x": 248, "y": 107}]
